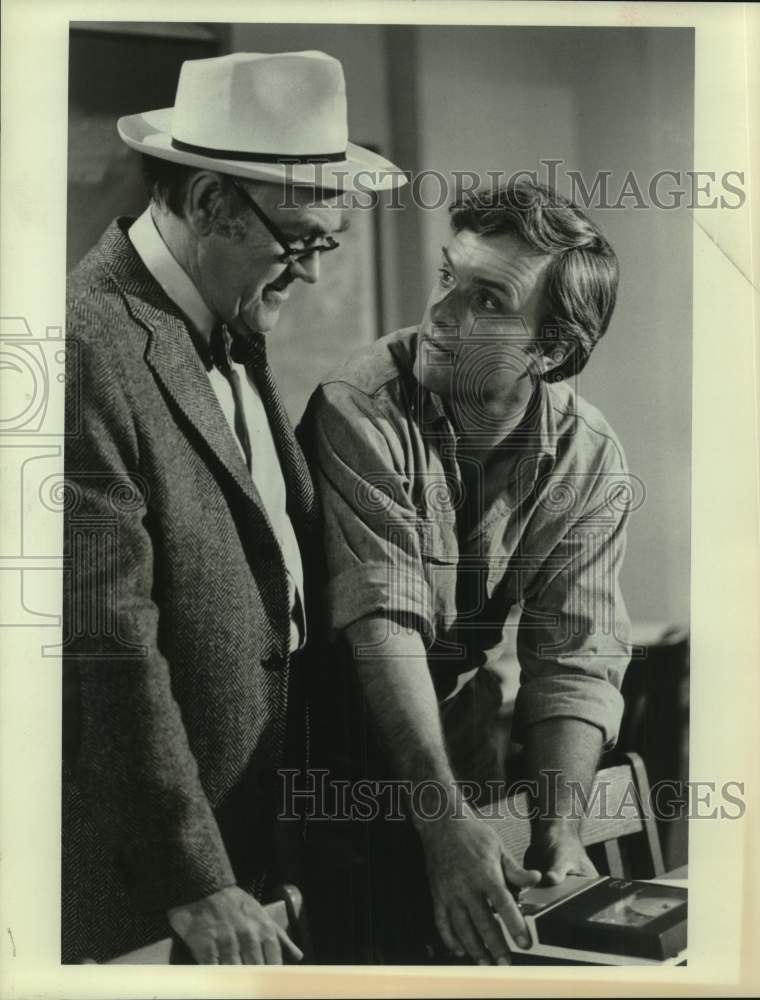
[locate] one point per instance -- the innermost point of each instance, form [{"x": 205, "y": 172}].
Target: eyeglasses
[{"x": 290, "y": 255}]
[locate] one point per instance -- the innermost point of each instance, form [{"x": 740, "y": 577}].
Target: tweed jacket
[{"x": 176, "y": 622}]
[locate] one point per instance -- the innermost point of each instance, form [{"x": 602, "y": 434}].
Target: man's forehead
[
  {"x": 294, "y": 196},
  {"x": 304, "y": 210},
  {"x": 313, "y": 209},
  {"x": 495, "y": 257}
]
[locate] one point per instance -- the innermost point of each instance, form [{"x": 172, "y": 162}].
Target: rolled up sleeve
[
  {"x": 371, "y": 537},
  {"x": 573, "y": 639}
]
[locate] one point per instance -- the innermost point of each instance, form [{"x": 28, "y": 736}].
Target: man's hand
[
  {"x": 469, "y": 873},
  {"x": 231, "y": 928},
  {"x": 556, "y": 851}
]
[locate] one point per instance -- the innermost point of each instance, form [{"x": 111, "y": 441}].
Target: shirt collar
[
  {"x": 177, "y": 284},
  {"x": 426, "y": 407},
  {"x": 538, "y": 430},
  {"x": 536, "y": 434}
]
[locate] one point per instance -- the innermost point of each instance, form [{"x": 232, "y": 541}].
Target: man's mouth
[
  {"x": 437, "y": 351},
  {"x": 277, "y": 292},
  {"x": 273, "y": 297}
]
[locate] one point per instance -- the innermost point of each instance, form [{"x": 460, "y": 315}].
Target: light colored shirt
[
  {"x": 547, "y": 537},
  {"x": 265, "y": 464}
]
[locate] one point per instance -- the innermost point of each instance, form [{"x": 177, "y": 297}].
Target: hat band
[{"x": 235, "y": 154}]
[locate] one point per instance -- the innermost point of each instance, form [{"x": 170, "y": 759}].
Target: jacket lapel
[
  {"x": 173, "y": 358},
  {"x": 175, "y": 362}
]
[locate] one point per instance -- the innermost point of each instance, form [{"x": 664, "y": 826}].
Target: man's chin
[
  {"x": 434, "y": 379},
  {"x": 263, "y": 318}
]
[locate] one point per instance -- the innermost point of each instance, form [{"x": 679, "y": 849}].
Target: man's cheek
[{"x": 498, "y": 385}]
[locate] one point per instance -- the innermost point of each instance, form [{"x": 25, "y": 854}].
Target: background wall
[
  {"x": 104, "y": 176},
  {"x": 471, "y": 98}
]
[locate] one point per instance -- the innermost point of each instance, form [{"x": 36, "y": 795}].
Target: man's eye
[
  {"x": 484, "y": 300},
  {"x": 446, "y": 279}
]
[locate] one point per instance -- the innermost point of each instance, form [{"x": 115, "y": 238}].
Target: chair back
[{"x": 619, "y": 820}]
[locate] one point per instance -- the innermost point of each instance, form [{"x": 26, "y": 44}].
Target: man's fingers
[
  {"x": 491, "y": 934},
  {"x": 252, "y": 953},
  {"x": 518, "y": 876},
  {"x": 203, "y": 949},
  {"x": 449, "y": 938},
  {"x": 229, "y": 950},
  {"x": 504, "y": 904},
  {"x": 250, "y": 947},
  {"x": 230, "y": 927},
  {"x": 467, "y": 934},
  {"x": 555, "y": 875},
  {"x": 230, "y": 956},
  {"x": 288, "y": 945},
  {"x": 272, "y": 951},
  {"x": 561, "y": 869},
  {"x": 267, "y": 946},
  {"x": 564, "y": 864}
]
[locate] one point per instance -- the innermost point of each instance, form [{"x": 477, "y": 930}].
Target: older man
[
  {"x": 190, "y": 507},
  {"x": 461, "y": 476}
]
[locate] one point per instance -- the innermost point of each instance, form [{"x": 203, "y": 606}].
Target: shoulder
[
  {"x": 375, "y": 368},
  {"x": 360, "y": 407},
  {"x": 98, "y": 316},
  {"x": 108, "y": 382},
  {"x": 91, "y": 286},
  {"x": 585, "y": 438},
  {"x": 589, "y": 463},
  {"x": 369, "y": 384}
]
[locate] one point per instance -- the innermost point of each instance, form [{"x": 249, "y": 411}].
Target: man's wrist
[
  {"x": 435, "y": 805},
  {"x": 549, "y": 829}
]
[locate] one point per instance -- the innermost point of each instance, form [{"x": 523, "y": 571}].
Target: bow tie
[
  {"x": 224, "y": 346},
  {"x": 251, "y": 352}
]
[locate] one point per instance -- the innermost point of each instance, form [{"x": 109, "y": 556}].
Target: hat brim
[{"x": 362, "y": 170}]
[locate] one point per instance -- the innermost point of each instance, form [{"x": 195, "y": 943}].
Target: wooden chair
[
  {"x": 287, "y": 910},
  {"x": 623, "y": 842}
]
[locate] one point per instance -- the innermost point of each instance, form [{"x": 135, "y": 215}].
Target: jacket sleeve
[{"x": 130, "y": 752}]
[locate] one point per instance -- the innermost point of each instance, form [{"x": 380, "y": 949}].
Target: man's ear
[
  {"x": 204, "y": 201},
  {"x": 556, "y": 355}
]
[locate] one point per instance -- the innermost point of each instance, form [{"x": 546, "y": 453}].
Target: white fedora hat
[{"x": 269, "y": 117}]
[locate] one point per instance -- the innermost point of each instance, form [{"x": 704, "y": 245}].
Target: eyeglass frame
[{"x": 290, "y": 254}]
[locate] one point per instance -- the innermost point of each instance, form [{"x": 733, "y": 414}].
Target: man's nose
[
  {"x": 307, "y": 268},
  {"x": 443, "y": 311}
]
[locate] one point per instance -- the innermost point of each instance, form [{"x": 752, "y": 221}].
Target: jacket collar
[
  {"x": 166, "y": 270},
  {"x": 171, "y": 353}
]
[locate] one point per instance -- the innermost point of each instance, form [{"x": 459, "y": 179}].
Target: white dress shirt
[{"x": 265, "y": 464}]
